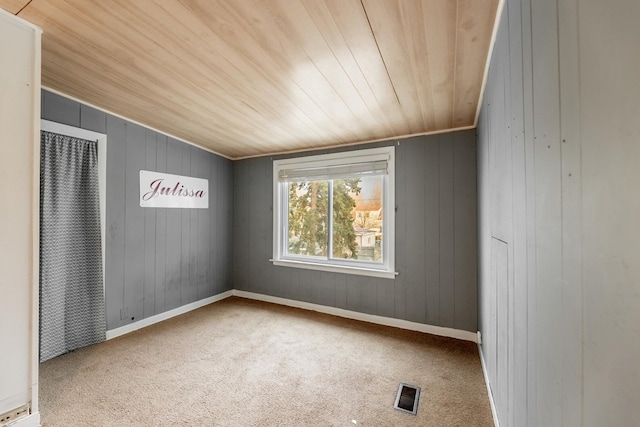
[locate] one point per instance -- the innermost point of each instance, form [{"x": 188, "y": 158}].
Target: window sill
[{"x": 336, "y": 268}]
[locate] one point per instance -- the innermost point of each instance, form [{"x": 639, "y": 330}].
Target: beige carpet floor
[{"x": 240, "y": 362}]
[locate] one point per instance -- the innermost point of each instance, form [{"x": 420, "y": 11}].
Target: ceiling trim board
[{"x": 494, "y": 35}]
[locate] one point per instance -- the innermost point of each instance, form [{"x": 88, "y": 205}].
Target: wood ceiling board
[
  {"x": 440, "y": 20},
  {"x": 378, "y": 92},
  {"x": 399, "y": 31},
  {"x": 154, "y": 105},
  {"x": 255, "y": 77},
  {"x": 284, "y": 85},
  {"x": 326, "y": 72},
  {"x": 13, "y": 6},
  {"x": 143, "y": 89},
  {"x": 424, "y": 51},
  {"x": 301, "y": 63},
  {"x": 322, "y": 44},
  {"x": 474, "y": 29}
]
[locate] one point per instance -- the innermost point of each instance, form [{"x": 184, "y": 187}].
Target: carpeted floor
[{"x": 240, "y": 362}]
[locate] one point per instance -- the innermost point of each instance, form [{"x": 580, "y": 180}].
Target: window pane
[
  {"x": 357, "y": 218},
  {"x": 308, "y": 218}
]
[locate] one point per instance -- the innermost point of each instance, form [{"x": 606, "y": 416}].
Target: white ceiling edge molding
[
  {"x": 352, "y": 144},
  {"x": 487, "y": 65}
]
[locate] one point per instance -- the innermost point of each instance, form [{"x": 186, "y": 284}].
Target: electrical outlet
[
  {"x": 124, "y": 313},
  {"x": 14, "y": 415}
]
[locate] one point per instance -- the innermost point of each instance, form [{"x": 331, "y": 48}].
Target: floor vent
[{"x": 407, "y": 398}]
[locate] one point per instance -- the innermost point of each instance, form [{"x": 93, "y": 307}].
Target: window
[{"x": 335, "y": 212}]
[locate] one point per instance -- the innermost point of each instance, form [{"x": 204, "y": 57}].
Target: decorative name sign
[{"x": 162, "y": 190}]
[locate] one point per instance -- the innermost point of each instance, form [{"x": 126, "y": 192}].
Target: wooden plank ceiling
[{"x": 251, "y": 77}]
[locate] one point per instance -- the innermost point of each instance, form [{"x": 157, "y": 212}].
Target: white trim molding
[
  {"x": 371, "y": 318},
  {"x": 348, "y": 314},
  {"x": 373, "y": 163},
  {"x": 113, "y": 333},
  {"x": 31, "y": 420},
  {"x": 339, "y": 312},
  {"x": 494, "y": 411}
]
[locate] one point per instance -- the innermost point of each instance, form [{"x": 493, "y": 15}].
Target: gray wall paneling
[
  {"x": 446, "y": 227},
  {"x": 92, "y": 119},
  {"x": 437, "y": 282},
  {"x": 149, "y": 290},
  {"x": 133, "y": 223},
  {"x": 512, "y": 166},
  {"x": 224, "y": 219},
  {"x": 548, "y": 181},
  {"x": 465, "y": 217},
  {"x": 399, "y": 286},
  {"x": 414, "y": 273},
  {"x": 160, "y": 298},
  {"x": 215, "y": 271},
  {"x": 606, "y": 174},
  {"x": 186, "y": 287},
  {"x": 115, "y": 212},
  {"x": 557, "y": 153},
  {"x": 173, "y": 258},
  {"x": 428, "y": 209},
  {"x": 518, "y": 310},
  {"x": 204, "y": 279},
  {"x": 259, "y": 239},
  {"x": 156, "y": 259},
  {"x": 571, "y": 293},
  {"x": 241, "y": 221},
  {"x": 60, "y": 110}
]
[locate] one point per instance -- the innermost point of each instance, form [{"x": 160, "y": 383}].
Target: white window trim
[{"x": 280, "y": 206}]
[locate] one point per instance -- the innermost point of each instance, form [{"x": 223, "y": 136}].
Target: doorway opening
[{"x": 72, "y": 238}]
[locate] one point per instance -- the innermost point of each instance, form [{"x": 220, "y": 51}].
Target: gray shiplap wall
[
  {"x": 435, "y": 239},
  {"x": 527, "y": 336},
  {"x": 559, "y": 233},
  {"x": 156, "y": 259}
]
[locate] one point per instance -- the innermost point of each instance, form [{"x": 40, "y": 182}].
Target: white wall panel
[
  {"x": 19, "y": 183},
  {"x": 610, "y": 150}
]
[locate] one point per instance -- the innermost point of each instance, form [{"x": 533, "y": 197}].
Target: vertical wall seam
[
  {"x": 582, "y": 263},
  {"x": 439, "y": 238},
  {"x": 144, "y": 238},
  {"x": 155, "y": 235},
  {"x": 427, "y": 305},
  {"x": 455, "y": 142},
  {"x": 124, "y": 222}
]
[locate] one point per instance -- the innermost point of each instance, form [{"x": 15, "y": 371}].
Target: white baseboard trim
[
  {"x": 494, "y": 412},
  {"x": 371, "y": 318},
  {"x": 31, "y": 420},
  {"x": 380, "y": 320},
  {"x": 113, "y": 333}
]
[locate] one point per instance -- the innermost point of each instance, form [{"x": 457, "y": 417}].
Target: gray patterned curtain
[{"x": 71, "y": 289}]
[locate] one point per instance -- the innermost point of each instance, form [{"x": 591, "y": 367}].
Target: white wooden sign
[{"x": 162, "y": 190}]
